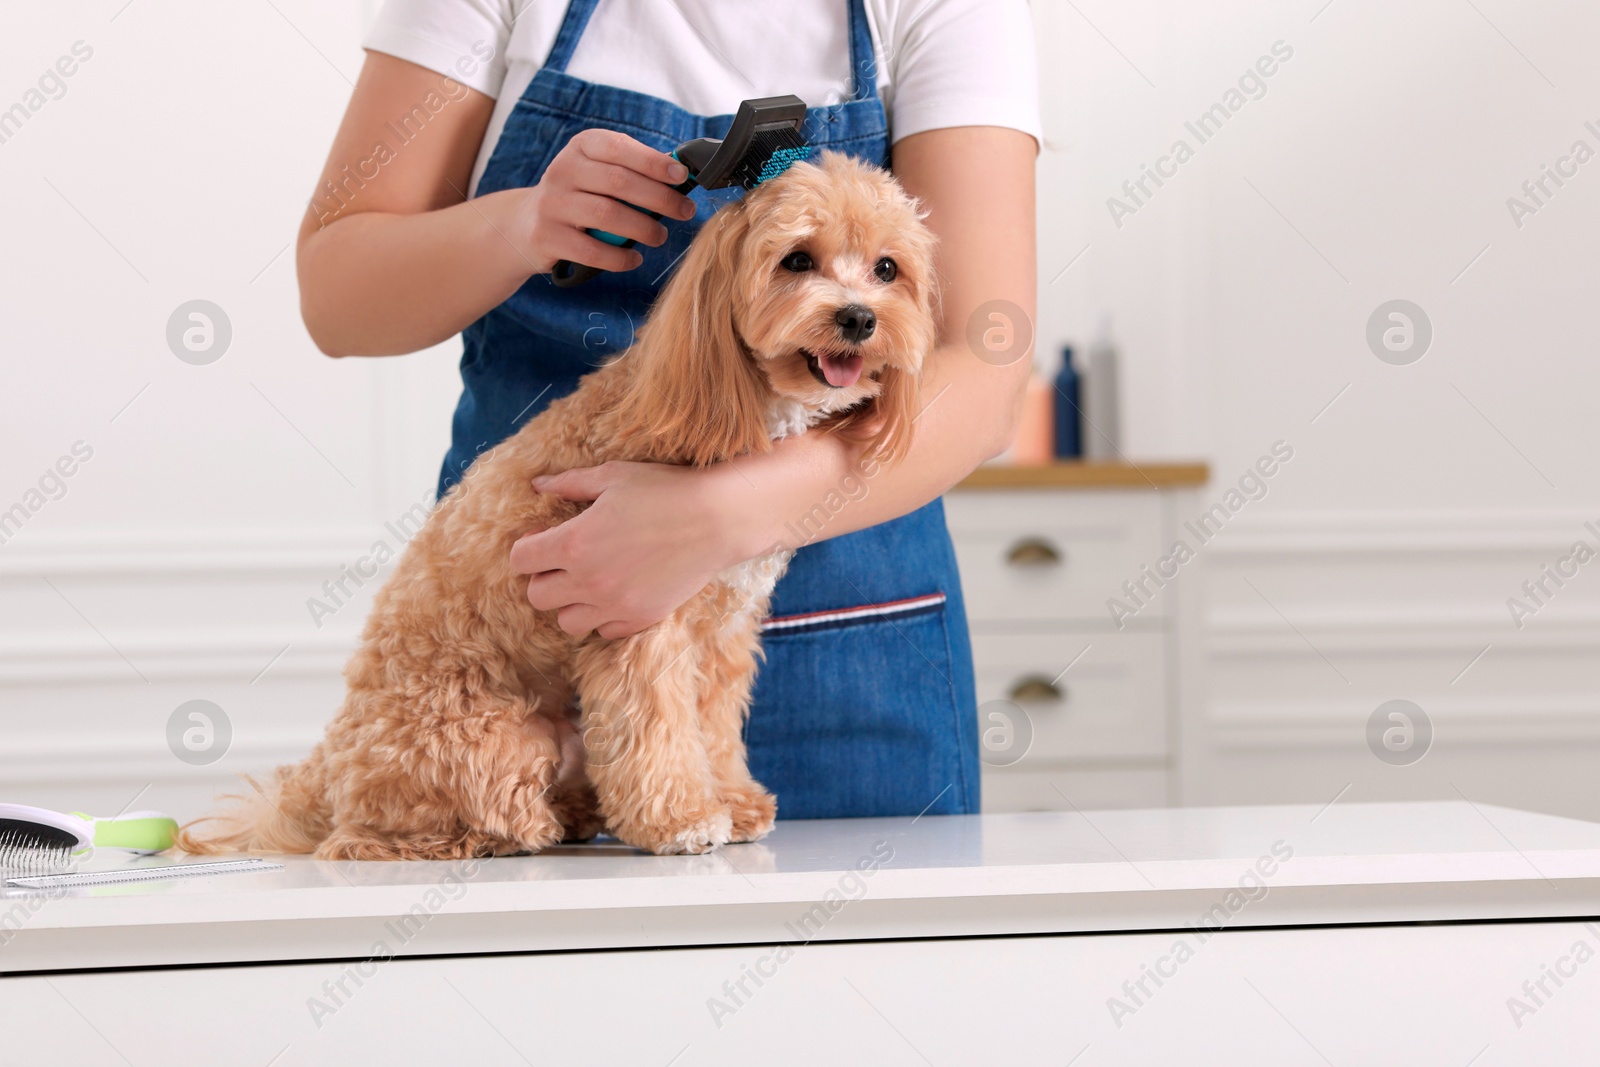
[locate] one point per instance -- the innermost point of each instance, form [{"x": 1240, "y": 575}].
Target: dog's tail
[{"x": 290, "y": 813}]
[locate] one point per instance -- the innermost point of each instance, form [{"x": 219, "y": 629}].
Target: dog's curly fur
[{"x": 461, "y": 733}]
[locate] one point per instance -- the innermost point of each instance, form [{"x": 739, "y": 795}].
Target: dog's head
[{"x": 813, "y": 296}]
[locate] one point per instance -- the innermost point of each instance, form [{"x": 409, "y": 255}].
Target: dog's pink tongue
[{"x": 841, "y": 371}]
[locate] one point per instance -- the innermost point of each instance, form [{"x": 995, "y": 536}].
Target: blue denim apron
[{"x": 864, "y": 704}]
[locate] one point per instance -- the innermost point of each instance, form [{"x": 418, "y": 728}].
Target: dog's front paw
[
  {"x": 754, "y": 813},
  {"x": 578, "y": 809},
  {"x": 691, "y": 836}
]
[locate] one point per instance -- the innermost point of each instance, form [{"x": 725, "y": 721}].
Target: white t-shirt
[{"x": 940, "y": 63}]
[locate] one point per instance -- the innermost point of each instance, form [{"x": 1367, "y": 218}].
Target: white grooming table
[{"x": 1445, "y": 933}]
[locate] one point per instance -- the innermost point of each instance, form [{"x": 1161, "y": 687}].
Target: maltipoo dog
[{"x": 474, "y": 725}]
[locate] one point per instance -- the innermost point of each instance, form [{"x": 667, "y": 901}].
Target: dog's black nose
[{"x": 856, "y": 322}]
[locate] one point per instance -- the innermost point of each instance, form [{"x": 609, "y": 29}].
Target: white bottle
[{"x": 1101, "y": 400}]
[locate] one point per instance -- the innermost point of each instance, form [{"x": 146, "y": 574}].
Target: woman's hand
[
  {"x": 393, "y": 260},
  {"x": 653, "y": 537},
  {"x": 590, "y": 185}
]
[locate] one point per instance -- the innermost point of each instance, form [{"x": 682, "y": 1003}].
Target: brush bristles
[
  {"x": 23, "y": 855},
  {"x": 771, "y": 153}
]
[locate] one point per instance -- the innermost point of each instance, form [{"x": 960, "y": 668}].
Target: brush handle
[
  {"x": 567, "y": 274},
  {"x": 141, "y": 831}
]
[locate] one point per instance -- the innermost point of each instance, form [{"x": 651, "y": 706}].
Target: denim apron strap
[
  {"x": 863, "y": 60},
  {"x": 573, "y": 23},
  {"x": 864, "y": 703}
]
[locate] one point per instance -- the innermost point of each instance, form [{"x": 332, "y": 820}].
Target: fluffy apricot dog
[{"x": 473, "y": 724}]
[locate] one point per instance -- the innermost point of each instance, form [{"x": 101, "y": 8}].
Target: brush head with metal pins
[
  {"x": 28, "y": 849},
  {"x": 763, "y": 141}
]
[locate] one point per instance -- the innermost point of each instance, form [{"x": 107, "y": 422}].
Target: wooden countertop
[{"x": 1079, "y": 474}]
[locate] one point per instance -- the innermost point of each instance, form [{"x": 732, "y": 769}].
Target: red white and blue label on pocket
[{"x": 888, "y": 611}]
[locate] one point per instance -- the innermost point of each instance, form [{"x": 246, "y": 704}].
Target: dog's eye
[
  {"x": 886, "y": 270},
  {"x": 798, "y": 263}
]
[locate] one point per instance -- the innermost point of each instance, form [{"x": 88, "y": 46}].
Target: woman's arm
[
  {"x": 656, "y": 534},
  {"x": 393, "y": 258}
]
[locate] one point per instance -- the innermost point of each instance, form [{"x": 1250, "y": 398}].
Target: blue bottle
[{"x": 1069, "y": 437}]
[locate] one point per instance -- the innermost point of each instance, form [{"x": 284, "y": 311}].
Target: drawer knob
[
  {"x": 1038, "y": 690},
  {"x": 1033, "y": 552}
]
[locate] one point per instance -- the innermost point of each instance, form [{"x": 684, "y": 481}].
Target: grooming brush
[
  {"x": 161, "y": 873},
  {"x": 35, "y": 841},
  {"x": 763, "y": 142}
]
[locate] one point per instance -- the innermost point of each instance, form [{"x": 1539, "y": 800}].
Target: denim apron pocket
[{"x": 866, "y": 697}]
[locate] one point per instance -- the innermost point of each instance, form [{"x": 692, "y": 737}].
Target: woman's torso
[{"x": 864, "y": 704}]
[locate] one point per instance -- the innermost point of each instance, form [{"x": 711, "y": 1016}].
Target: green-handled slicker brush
[{"x": 35, "y": 841}]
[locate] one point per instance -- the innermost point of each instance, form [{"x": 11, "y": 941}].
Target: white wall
[
  {"x": 178, "y": 563},
  {"x": 1376, "y": 166},
  {"x": 218, "y": 498}
]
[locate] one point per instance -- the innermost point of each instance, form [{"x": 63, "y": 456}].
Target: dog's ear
[
  {"x": 695, "y": 390},
  {"x": 885, "y": 425}
]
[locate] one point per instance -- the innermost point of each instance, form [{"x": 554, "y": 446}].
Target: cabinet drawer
[
  {"x": 1013, "y": 790},
  {"x": 1040, "y": 555},
  {"x": 1110, "y": 703}
]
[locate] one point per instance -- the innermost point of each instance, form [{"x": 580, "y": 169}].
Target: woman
[{"x": 555, "y": 117}]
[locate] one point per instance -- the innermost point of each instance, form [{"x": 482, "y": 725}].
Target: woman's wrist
[
  {"x": 754, "y": 504},
  {"x": 730, "y": 512},
  {"x": 510, "y": 216}
]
